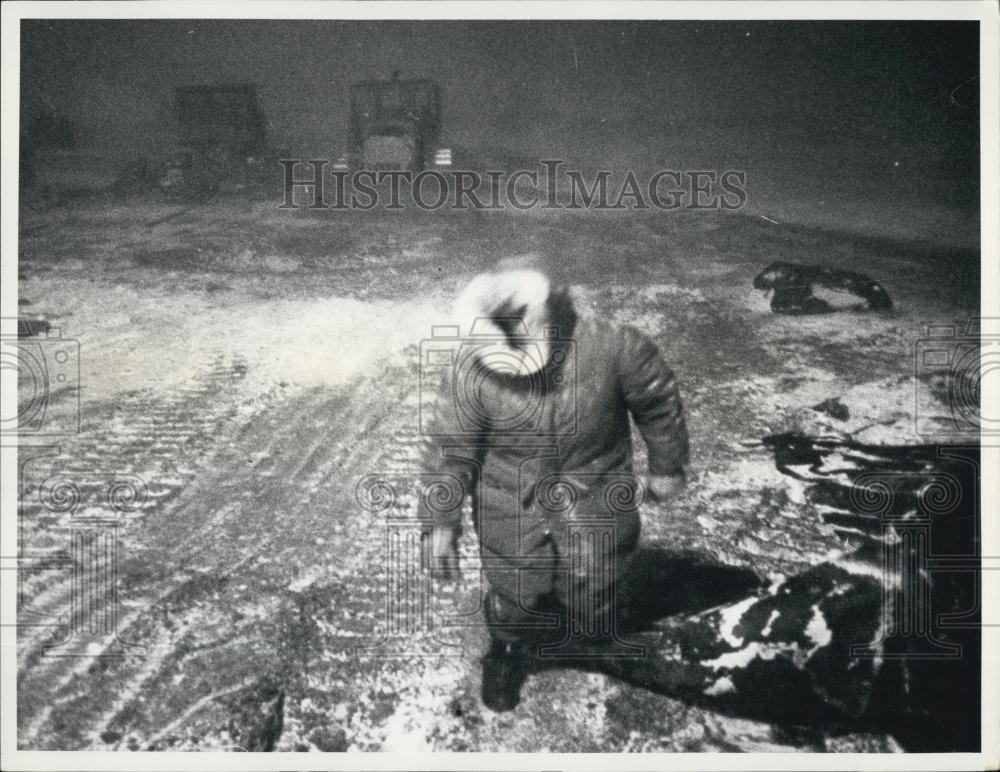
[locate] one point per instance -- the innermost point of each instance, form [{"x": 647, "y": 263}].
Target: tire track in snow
[{"x": 201, "y": 536}]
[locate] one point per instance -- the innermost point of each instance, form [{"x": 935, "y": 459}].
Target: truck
[
  {"x": 222, "y": 140},
  {"x": 395, "y": 125}
]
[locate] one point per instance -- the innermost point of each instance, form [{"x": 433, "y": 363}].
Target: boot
[{"x": 504, "y": 672}]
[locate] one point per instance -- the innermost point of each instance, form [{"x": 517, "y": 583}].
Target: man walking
[{"x": 534, "y": 419}]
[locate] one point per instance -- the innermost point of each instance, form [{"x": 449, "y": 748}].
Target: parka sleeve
[
  {"x": 653, "y": 397},
  {"x": 450, "y": 454}
]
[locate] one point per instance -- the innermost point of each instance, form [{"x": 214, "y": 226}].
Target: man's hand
[
  {"x": 441, "y": 553},
  {"x": 663, "y": 487}
]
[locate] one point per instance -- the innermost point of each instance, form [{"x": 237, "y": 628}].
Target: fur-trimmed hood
[{"x": 511, "y": 310}]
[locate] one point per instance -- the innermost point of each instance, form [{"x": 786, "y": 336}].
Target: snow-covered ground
[{"x": 249, "y": 366}]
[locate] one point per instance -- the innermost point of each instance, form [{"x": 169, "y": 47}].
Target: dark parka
[{"x": 547, "y": 458}]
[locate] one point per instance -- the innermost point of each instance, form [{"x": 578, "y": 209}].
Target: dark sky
[{"x": 596, "y": 91}]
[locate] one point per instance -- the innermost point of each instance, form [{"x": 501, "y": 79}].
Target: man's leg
[{"x": 514, "y": 608}]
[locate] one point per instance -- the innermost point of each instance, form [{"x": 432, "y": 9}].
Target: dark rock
[
  {"x": 30, "y": 328},
  {"x": 793, "y": 286},
  {"x": 834, "y": 408}
]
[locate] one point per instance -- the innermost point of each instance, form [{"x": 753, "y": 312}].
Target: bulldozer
[{"x": 395, "y": 125}]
